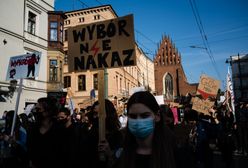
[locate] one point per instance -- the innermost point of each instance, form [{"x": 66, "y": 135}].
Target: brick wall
[{"x": 168, "y": 61}]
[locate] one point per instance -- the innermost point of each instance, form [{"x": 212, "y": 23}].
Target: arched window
[{"x": 168, "y": 87}]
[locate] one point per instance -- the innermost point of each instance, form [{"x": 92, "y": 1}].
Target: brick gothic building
[{"x": 170, "y": 79}]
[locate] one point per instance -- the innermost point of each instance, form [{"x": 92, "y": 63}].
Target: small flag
[
  {"x": 230, "y": 93},
  {"x": 71, "y": 105},
  {"x": 92, "y": 93}
]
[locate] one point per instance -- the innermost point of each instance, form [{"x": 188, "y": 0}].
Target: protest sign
[
  {"x": 207, "y": 92},
  {"x": 202, "y": 105},
  {"x": 208, "y": 87},
  {"x": 99, "y": 45},
  {"x": 24, "y": 66}
]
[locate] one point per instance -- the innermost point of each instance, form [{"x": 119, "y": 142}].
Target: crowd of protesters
[{"x": 145, "y": 135}]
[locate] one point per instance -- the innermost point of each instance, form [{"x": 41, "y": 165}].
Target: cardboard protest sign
[
  {"x": 208, "y": 87},
  {"x": 99, "y": 45},
  {"x": 202, "y": 105},
  {"x": 24, "y": 66}
]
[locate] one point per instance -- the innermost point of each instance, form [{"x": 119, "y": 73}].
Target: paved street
[{"x": 240, "y": 161}]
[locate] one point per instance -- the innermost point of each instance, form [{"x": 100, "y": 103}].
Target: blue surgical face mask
[{"x": 141, "y": 128}]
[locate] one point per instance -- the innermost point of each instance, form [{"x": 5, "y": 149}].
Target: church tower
[{"x": 170, "y": 79}]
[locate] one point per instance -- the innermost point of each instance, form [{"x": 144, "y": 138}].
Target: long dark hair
[
  {"x": 162, "y": 144},
  {"x": 112, "y": 122},
  {"x": 9, "y": 121},
  {"x": 167, "y": 116}
]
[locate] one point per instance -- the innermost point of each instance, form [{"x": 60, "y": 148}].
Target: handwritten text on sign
[
  {"x": 202, "y": 105},
  {"x": 105, "y": 44},
  {"x": 208, "y": 87}
]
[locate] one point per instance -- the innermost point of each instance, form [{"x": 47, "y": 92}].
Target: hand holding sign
[{"x": 206, "y": 91}]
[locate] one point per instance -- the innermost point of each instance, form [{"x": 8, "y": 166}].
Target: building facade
[
  {"x": 170, "y": 79},
  {"x": 239, "y": 64},
  {"x": 145, "y": 70},
  {"x": 24, "y": 29},
  {"x": 120, "y": 80},
  {"x": 55, "y": 53}
]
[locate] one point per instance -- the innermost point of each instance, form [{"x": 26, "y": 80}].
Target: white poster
[
  {"x": 24, "y": 66},
  {"x": 160, "y": 99}
]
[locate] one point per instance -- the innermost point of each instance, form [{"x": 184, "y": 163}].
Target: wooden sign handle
[{"x": 101, "y": 99}]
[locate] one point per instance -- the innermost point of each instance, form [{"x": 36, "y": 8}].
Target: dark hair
[
  {"x": 24, "y": 120},
  {"x": 9, "y": 121},
  {"x": 167, "y": 115},
  {"x": 49, "y": 105},
  {"x": 112, "y": 121},
  {"x": 164, "y": 109},
  {"x": 65, "y": 110},
  {"x": 163, "y": 142},
  {"x": 145, "y": 98},
  {"x": 94, "y": 105}
]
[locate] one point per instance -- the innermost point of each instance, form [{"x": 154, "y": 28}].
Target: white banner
[
  {"x": 24, "y": 66},
  {"x": 230, "y": 99}
]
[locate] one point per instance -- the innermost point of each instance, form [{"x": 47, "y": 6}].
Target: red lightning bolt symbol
[{"x": 94, "y": 48}]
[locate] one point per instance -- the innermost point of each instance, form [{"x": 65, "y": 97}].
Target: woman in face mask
[{"x": 148, "y": 144}]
